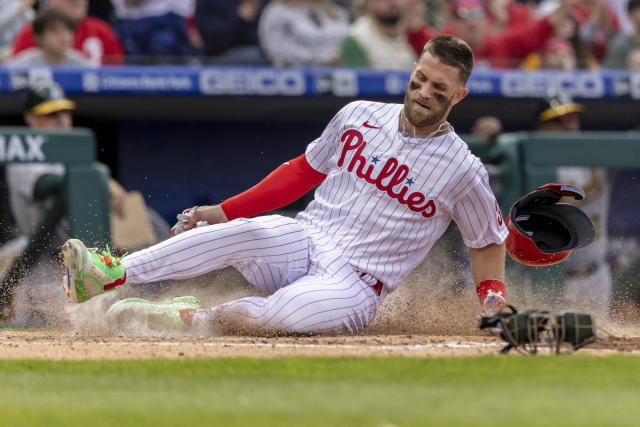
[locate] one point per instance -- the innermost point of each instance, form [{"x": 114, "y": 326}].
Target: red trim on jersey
[
  {"x": 490, "y": 285},
  {"x": 287, "y": 183}
]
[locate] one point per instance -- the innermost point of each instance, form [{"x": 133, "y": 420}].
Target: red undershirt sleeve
[{"x": 287, "y": 183}]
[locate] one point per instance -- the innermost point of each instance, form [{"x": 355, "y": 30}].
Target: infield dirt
[{"x": 429, "y": 315}]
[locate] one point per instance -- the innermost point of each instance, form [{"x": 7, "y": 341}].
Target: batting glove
[{"x": 183, "y": 218}]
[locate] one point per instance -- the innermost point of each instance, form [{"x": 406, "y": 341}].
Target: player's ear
[{"x": 460, "y": 95}]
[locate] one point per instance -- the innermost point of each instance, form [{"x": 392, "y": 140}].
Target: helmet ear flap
[{"x": 543, "y": 232}]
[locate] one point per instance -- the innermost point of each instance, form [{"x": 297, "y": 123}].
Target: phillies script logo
[{"x": 392, "y": 171}]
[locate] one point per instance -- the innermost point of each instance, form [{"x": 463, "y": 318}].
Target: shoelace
[{"x": 108, "y": 258}]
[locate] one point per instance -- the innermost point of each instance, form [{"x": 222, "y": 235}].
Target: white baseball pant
[{"x": 274, "y": 254}]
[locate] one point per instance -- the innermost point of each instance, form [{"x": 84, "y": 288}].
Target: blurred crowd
[{"x": 380, "y": 34}]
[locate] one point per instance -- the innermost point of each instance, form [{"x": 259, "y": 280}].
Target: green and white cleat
[
  {"x": 132, "y": 313},
  {"x": 89, "y": 273}
]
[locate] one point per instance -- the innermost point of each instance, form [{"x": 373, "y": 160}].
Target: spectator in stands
[
  {"x": 597, "y": 23},
  {"x": 565, "y": 29},
  {"x": 302, "y": 32},
  {"x": 154, "y": 28},
  {"x": 622, "y": 45},
  {"x": 378, "y": 39},
  {"x": 93, "y": 37},
  {"x": 506, "y": 14},
  {"x": 505, "y": 50},
  {"x": 229, "y": 29},
  {"x": 633, "y": 60},
  {"x": 557, "y": 54},
  {"x": 13, "y": 15},
  {"x": 53, "y": 33}
]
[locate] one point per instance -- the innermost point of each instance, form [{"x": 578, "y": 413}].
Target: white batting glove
[
  {"x": 183, "y": 218},
  {"x": 491, "y": 305}
]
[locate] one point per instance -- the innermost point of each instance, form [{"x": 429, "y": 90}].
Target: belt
[{"x": 377, "y": 287}]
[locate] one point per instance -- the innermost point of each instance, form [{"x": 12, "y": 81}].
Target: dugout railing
[{"x": 83, "y": 197}]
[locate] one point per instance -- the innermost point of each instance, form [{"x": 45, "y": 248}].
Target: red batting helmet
[{"x": 543, "y": 231}]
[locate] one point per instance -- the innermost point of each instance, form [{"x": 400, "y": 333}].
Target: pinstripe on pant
[{"x": 271, "y": 252}]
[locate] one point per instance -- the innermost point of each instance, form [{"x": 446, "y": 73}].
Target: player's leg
[
  {"x": 274, "y": 240},
  {"x": 312, "y": 304}
]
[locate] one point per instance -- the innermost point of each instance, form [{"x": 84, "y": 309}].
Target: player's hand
[
  {"x": 211, "y": 214},
  {"x": 492, "y": 304},
  {"x": 198, "y": 216}
]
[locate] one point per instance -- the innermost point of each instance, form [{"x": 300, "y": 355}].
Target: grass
[{"x": 512, "y": 390}]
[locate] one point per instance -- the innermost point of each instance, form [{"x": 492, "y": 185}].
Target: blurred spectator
[
  {"x": 155, "y": 28},
  {"x": 633, "y": 60},
  {"x": 303, "y": 32},
  {"x": 506, "y": 14},
  {"x": 229, "y": 29},
  {"x": 622, "y": 45},
  {"x": 13, "y": 15},
  {"x": 557, "y": 54},
  {"x": 378, "y": 39},
  {"x": 597, "y": 23},
  {"x": 53, "y": 33},
  {"x": 93, "y": 37},
  {"x": 619, "y": 7},
  {"x": 504, "y": 50}
]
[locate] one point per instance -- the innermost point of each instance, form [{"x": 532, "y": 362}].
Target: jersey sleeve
[
  {"x": 320, "y": 151},
  {"x": 478, "y": 215}
]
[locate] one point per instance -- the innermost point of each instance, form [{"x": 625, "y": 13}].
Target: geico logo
[
  {"x": 252, "y": 82},
  {"x": 25, "y": 148},
  {"x": 582, "y": 85}
]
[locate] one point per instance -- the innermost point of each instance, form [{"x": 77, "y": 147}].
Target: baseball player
[{"x": 390, "y": 179}]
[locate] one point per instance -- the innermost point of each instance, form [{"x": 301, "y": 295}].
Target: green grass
[{"x": 522, "y": 391}]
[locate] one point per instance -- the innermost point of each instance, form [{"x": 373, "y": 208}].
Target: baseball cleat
[
  {"x": 89, "y": 273},
  {"x": 157, "y": 315}
]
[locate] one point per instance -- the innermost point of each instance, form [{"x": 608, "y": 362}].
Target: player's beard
[{"x": 421, "y": 119}]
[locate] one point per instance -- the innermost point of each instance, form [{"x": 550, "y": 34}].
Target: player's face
[
  {"x": 56, "y": 40},
  {"x": 433, "y": 90},
  {"x": 61, "y": 120}
]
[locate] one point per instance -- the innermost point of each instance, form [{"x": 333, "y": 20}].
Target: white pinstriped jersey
[{"x": 388, "y": 197}]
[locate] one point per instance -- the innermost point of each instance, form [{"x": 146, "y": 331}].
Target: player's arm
[
  {"x": 287, "y": 183},
  {"x": 487, "y": 269},
  {"x": 478, "y": 217}
]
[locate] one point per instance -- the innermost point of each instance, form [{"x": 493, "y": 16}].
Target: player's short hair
[
  {"x": 632, "y": 5},
  {"x": 49, "y": 17},
  {"x": 452, "y": 51}
]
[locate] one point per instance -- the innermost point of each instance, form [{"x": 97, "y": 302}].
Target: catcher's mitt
[{"x": 528, "y": 329}]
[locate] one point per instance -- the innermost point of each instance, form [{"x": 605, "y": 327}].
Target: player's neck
[{"x": 437, "y": 129}]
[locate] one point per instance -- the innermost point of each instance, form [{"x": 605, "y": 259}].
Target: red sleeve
[
  {"x": 417, "y": 39},
  {"x": 287, "y": 183},
  {"x": 23, "y": 40},
  {"x": 517, "y": 43}
]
